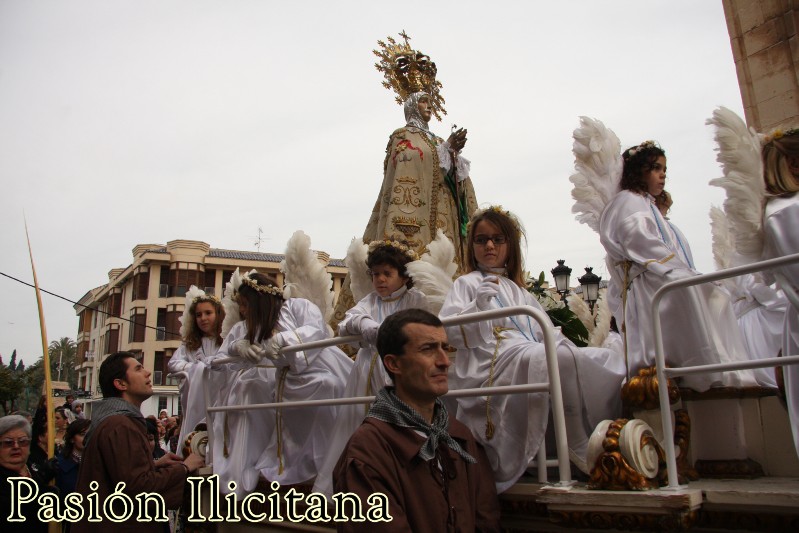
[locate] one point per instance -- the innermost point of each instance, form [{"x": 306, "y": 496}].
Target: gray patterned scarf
[{"x": 390, "y": 409}]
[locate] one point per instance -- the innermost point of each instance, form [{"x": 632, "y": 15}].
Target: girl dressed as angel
[
  {"x": 780, "y": 223},
  {"x": 393, "y": 291},
  {"x": 200, "y": 329},
  {"x": 286, "y": 445},
  {"x": 644, "y": 252},
  {"x": 510, "y": 351}
]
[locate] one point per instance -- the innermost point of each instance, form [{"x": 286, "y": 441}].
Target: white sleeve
[
  {"x": 354, "y": 317},
  {"x": 180, "y": 360},
  {"x": 460, "y": 301},
  {"x": 300, "y": 322}
]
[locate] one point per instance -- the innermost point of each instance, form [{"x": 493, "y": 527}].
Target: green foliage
[
  {"x": 21, "y": 388},
  {"x": 11, "y": 385},
  {"x": 536, "y": 286},
  {"x": 570, "y": 325},
  {"x": 64, "y": 351},
  {"x": 561, "y": 316}
]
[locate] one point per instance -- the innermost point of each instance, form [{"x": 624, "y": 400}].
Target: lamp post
[
  {"x": 590, "y": 284},
  {"x": 561, "y": 273}
]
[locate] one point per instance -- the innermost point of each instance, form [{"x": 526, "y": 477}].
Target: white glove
[
  {"x": 369, "y": 331},
  {"x": 272, "y": 350},
  {"x": 254, "y": 353},
  {"x": 486, "y": 291},
  {"x": 180, "y": 374},
  {"x": 240, "y": 347}
]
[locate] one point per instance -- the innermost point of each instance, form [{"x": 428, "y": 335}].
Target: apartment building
[{"x": 137, "y": 310}]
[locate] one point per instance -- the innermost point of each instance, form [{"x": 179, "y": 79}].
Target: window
[
  {"x": 161, "y": 403},
  {"x": 164, "y": 290},
  {"x": 141, "y": 283},
  {"x": 115, "y": 303},
  {"x": 184, "y": 275},
  {"x": 172, "y": 322},
  {"x": 112, "y": 339},
  {"x": 138, "y": 326},
  {"x": 210, "y": 280},
  {"x": 161, "y": 369}
]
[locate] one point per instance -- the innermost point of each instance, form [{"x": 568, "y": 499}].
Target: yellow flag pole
[
  {"x": 48, "y": 384},
  {"x": 53, "y": 526}
]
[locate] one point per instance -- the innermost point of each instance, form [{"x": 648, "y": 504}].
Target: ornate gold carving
[
  {"x": 612, "y": 471},
  {"x": 682, "y": 439},
  {"x": 641, "y": 391}
]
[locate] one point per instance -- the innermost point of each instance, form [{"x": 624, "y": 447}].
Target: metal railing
[
  {"x": 664, "y": 373},
  {"x": 553, "y": 386}
]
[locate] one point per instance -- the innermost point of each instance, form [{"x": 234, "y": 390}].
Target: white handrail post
[
  {"x": 660, "y": 358},
  {"x": 663, "y": 394},
  {"x": 556, "y": 395}
]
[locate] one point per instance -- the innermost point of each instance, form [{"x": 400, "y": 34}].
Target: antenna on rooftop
[{"x": 259, "y": 239}]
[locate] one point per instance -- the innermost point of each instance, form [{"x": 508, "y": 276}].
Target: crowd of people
[{"x": 439, "y": 463}]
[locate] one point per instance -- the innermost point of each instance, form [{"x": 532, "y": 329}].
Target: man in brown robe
[
  {"x": 432, "y": 473},
  {"x": 117, "y": 452}
]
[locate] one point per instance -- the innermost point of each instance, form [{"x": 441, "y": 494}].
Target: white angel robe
[
  {"x": 780, "y": 223},
  {"x": 760, "y": 311},
  {"x": 591, "y": 379},
  {"x": 190, "y": 365},
  {"x": 368, "y": 375},
  {"x": 284, "y": 445},
  {"x": 698, "y": 324}
]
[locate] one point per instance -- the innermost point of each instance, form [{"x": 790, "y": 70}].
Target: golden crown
[{"x": 409, "y": 71}]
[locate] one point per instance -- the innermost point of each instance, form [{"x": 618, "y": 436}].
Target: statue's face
[{"x": 425, "y": 107}]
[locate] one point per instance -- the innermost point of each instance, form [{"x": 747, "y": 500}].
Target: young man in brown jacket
[
  {"x": 117, "y": 452},
  {"x": 432, "y": 473}
]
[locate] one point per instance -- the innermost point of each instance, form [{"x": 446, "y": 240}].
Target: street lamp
[
  {"x": 561, "y": 273},
  {"x": 590, "y": 284}
]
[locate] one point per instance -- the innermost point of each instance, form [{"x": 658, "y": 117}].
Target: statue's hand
[{"x": 457, "y": 140}]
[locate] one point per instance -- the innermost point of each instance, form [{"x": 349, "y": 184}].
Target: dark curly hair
[
  {"x": 638, "y": 160},
  {"x": 385, "y": 254}
]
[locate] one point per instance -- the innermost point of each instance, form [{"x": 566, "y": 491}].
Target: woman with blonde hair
[{"x": 780, "y": 223}]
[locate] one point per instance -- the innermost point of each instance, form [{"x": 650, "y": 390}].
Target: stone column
[{"x": 763, "y": 35}]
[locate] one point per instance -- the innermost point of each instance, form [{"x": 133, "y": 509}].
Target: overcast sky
[{"x": 126, "y": 122}]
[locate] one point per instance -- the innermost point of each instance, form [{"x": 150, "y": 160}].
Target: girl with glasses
[{"x": 509, "y": 351}]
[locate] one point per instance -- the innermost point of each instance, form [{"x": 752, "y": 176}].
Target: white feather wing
[
  {"x": 432, "y": 274},
  {"x": 602, "y": 327},
  {"x": 360, "y": 283},
  {"x": 229, "y": 303},
  {"x": 305, "y": 275},
  {"x": 723, "y": 246},
  {"x": 740, "y": 157},
  {"x": 598, "y": 165}
]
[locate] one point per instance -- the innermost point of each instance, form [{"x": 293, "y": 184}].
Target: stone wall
[{"x": 763, "y": 35}]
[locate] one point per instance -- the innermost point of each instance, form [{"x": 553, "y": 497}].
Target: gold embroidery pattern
[
  {"x": 662, "y": 261},
  {"x": 409, "y": 226}
]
